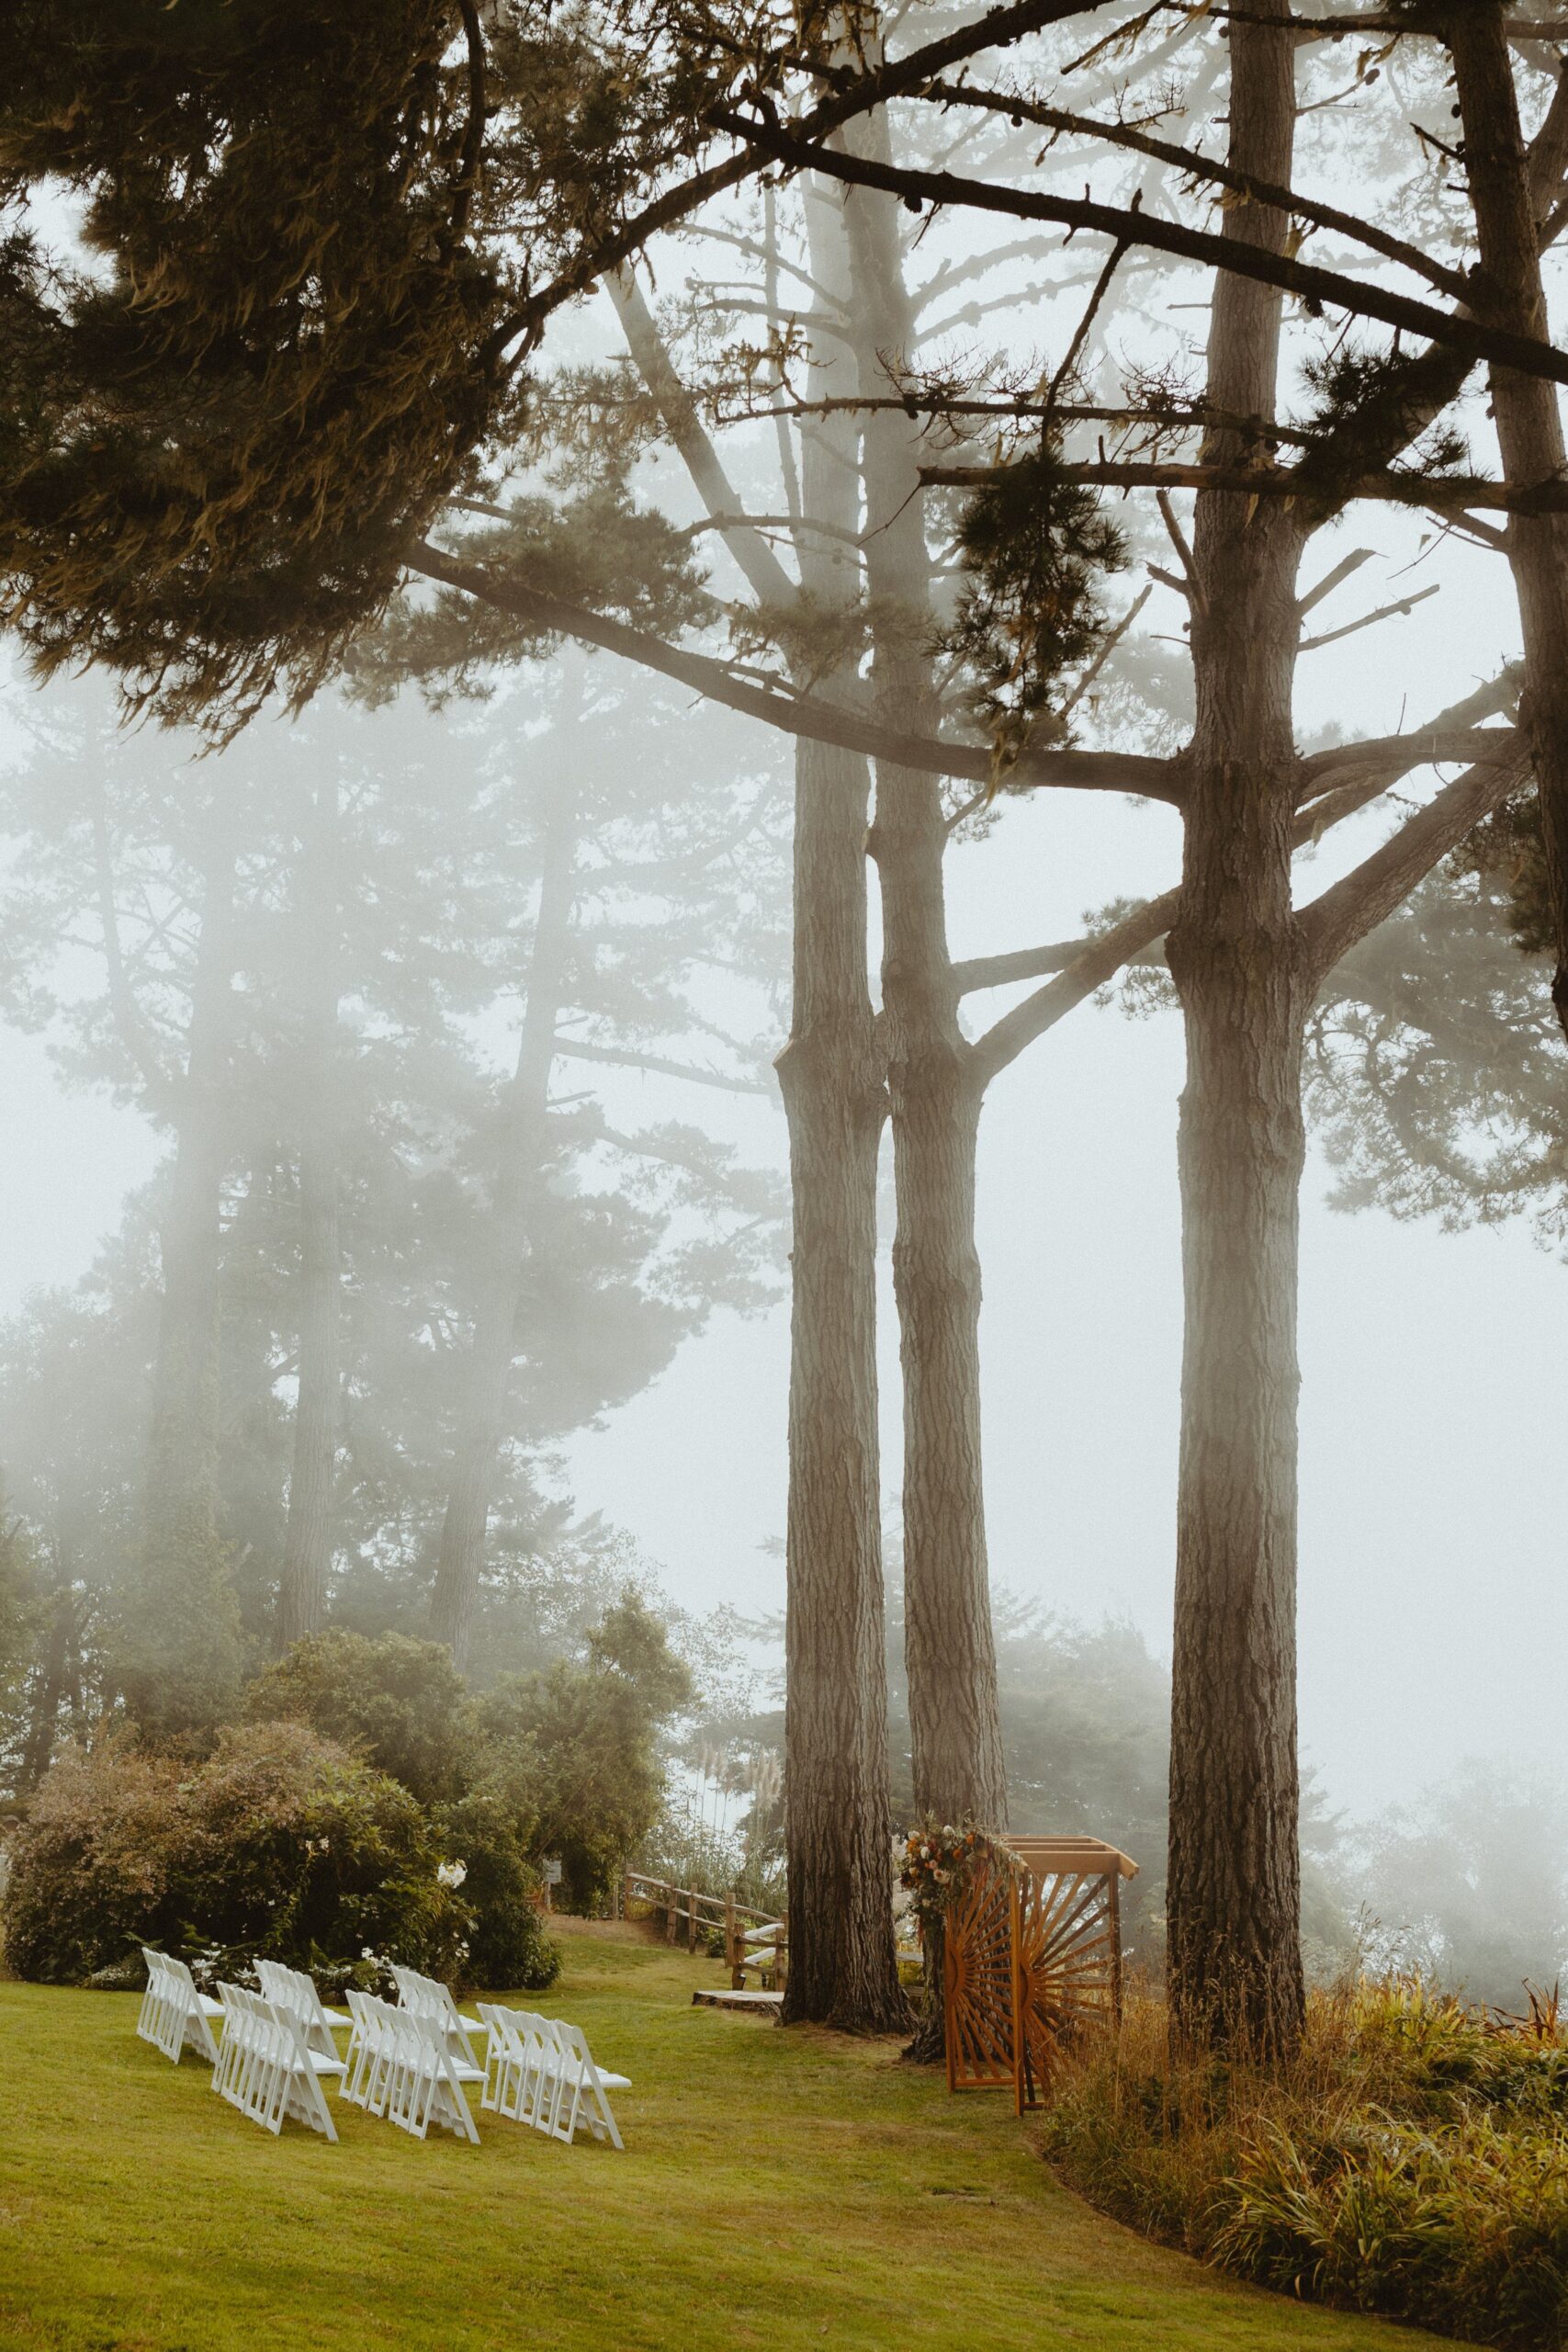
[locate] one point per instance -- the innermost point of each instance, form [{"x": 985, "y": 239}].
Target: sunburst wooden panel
[
  {"x": 976, "y": 1982},
  {"x": 1066, "y": 1970}
]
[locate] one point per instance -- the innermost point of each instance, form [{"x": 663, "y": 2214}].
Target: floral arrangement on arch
[{"x": 938, "y": 1862}]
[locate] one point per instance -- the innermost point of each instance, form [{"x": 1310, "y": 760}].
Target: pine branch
[
  {"x": 573, "y": 1049},
  {"x": 763, "y": 573},
  {"x": 1451, "y": 282},
  {"x": 1316, "y": 287},
  {"x": 1430, "y": 493},
  {"x": 804, "y": 715},
  {"x": 1333, "y": 923},
  {"x": 999, "y": 27}
]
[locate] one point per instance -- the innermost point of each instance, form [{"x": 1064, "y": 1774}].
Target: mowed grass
[{"x": 777, "y": 2191}]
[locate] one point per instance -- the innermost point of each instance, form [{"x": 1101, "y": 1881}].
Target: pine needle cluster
[{"x": 259, "y": 347}]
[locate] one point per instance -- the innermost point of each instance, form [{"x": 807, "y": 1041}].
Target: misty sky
[{"x": 1433, "y": 1474}]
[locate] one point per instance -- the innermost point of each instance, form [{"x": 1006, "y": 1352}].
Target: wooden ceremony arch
[{"x": 1032, "y": 1961}]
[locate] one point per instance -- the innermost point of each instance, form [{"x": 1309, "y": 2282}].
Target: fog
[
  {"x": 639, "y": 1390},
  {"x": 1434, "y": 1619}
]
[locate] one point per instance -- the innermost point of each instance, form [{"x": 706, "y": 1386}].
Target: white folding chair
[
  {"x": 372, "y": 2052},
  {"x": 291, "y": 1988},
  {"x": 400, "y": 2068},
  {"x": 265, "y": 2069},
  {"x": 523, "y": 2065},
  {"x": 172, "y": 2012},
  {"x": 426, "y": 1996},
  {"x": 580, "y": 2089},
  {"x": 505, "y": 2058},
  {"x": 357, "y": 2061}
]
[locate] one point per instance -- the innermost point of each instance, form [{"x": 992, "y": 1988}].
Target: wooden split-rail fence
[{"x": 754, "y": 1941}]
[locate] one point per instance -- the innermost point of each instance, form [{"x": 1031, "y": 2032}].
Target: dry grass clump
[{"x": 1411, "y": 2160}]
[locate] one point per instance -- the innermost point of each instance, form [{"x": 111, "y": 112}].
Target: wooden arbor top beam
[{"x": 1045, "y": 1857}]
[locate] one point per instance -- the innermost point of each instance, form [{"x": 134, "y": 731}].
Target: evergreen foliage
[
  {"x": 584, "y": 1738},
  {"x": 397, "y": 1701},
  {"x": 1036, "y": 549},
  {"x": 273, "y": 346}
]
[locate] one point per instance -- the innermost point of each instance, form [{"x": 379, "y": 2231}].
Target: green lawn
[{"x": 778, "y": 2190}]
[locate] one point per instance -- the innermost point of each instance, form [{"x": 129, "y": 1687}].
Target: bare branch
[
  {"x": 1333, "y": 923},
  {"x": 1451, "y": 282},
  {"x": 1383, "y": 613},
  {"x": 765, "y": 574},
  {"x": 1335, "y": 579},
  {"x": 1435, "y": 494},
  {"x": 998, "y": 28},
  {"x": 1178, "y": 538},
  {"x": 1097, "y": 962},
  {"x": 1525, "y": 354},
  {"x": 575, "y": 1050}
]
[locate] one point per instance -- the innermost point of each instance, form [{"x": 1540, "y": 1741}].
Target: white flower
[{"x": 451, "y": 1873}]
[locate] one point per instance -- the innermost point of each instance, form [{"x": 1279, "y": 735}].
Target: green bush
[
  {"x": 1412, "y": 2159},
  {"x": 397, "y": 1700},
  {"x": 281, "y": 1845}
]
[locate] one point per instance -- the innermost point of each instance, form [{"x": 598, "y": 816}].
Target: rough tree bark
[
  {"x": 308, "y": 1541},
  {"x": 838, "y": 1823},
  {"x": 179, "y": 1656},
  {"x": 1235, "y": 1899},
  {"x": 934, "y": 1096},
  {"x": 1529, "y": 418},
  {"x": 481, "y": 1423}
]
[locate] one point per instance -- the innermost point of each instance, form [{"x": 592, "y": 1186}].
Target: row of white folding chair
[
  {"x": 400, "y": 2066},
  {"x": 291, "y": 1988},
  {"x": 541, "y": 2072},
  {"x": 426, "y": 1996},
  {"x": 265, "y": 2069},
  {"x": 172, "y": 2012}
]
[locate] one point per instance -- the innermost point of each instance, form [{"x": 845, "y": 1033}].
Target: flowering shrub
[
  {"x": 937, "y": 1865},
  {"x": 281, "y": 1845},
  {"x": 508, "y": 1945}
]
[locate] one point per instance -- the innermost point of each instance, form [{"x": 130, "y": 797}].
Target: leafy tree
[
  {"x": 278, "y": 346},
  {"x": 19, "y": 1614},
  {"x": 586, "y": 1739},
  {"x": 397, "y": 1702},
  {"x": 629, "y": 1232}
]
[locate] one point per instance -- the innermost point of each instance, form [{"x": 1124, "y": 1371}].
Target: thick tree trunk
[
  {"x": 842, "y": 1970},
  {"x": 1233, "y": 1899},
  {"x": 935, "y": 1101},
  {"x": 838, "y": 1821},
  {"x": 180, "y": 1654},
  {"x": 308, "y": 1543},
  {"x": 481, "y": 1424},
  {"x": 1528, "y": 419}
]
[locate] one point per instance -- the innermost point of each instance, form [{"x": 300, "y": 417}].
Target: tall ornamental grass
[{"x": 1411, "y": 2160}]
